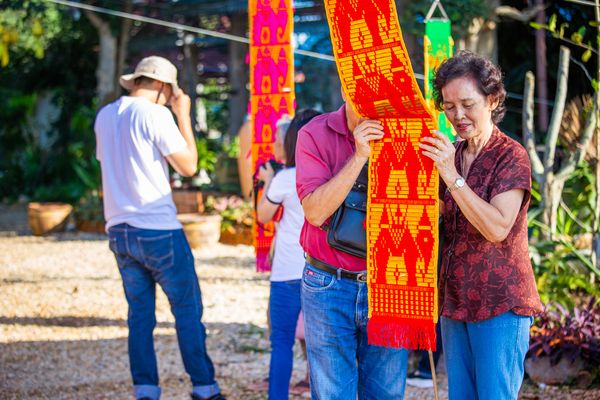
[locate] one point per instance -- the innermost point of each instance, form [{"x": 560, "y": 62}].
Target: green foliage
[
  {"x": 57, "y": 163},
  {"x": 577, "y": 35},
  {"x": 460, "y": 12},
  {"x": 208, "y": 150},
  {"x": 214, "y": 94},
  {"x": 234, "y": 210},
  {"x": 563, "y": 267},
  {"x": 90, "y": 207}
]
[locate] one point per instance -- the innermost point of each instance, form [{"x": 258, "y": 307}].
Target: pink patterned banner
[{"x": 271, "y": 91}]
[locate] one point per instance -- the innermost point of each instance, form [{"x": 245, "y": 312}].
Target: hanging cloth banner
[
  {"x": 438, "y": 47},
  {"x": 271, "y": 92},
  {"x": 402, "y": 209}
]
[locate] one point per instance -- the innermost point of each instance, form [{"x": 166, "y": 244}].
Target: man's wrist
[
  {"x": 183, "y": 117},
  {"x": 361, "y": 160}
]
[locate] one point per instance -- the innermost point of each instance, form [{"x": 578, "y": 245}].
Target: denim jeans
[
  {"x": 341, "y": 362},
  {"x": 485, "y": 359},
  {"x": 284, "y": 307},
  {"x": 146, "y": 257}
]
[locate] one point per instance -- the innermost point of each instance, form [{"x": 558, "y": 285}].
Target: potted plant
[
  {"x": 202, "y": 229},
  {"x": 186, "y": 191},
  {"x": 89, "y": 213},
  {"x": 46, "y": 218},
  {"x": 227, "y": 177},
  {"x": 565, "y": 347},
  {"x": 238, "y": 219}
]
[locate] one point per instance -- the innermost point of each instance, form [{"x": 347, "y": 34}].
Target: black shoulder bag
[{"x": 346, "y": 230}]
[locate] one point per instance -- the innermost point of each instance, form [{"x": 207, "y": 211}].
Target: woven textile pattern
[
  {"x": 271, "y": 91},
  {"x": 402, "y": 215},
  {"x": 438, "y": 47}
]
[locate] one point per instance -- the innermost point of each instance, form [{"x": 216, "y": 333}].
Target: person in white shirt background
[
  {"x": 288, "y": 259},
  {"x": 136, "y": 136}
]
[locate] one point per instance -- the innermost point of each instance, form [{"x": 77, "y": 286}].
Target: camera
[{"x": 277, "y": 166}]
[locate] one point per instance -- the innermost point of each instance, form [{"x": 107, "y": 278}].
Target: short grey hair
[{"x": 282, "y": 125}]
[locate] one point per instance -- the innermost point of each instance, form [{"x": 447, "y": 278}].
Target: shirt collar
[{"x": 337, "y": 121}]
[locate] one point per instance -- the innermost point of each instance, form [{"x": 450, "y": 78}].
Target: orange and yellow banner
[{"x": 402, "y": 212}]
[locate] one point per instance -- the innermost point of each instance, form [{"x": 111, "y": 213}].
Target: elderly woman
[{"x": 488, "y": 295}]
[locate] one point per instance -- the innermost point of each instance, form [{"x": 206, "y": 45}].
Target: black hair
[
  {"x": 486, "y": 74},
  {"x": 143, "y": 80},
  {"x": 291, "y": 135}
]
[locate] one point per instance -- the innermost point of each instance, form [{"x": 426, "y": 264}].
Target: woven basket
[
  {"x": 48, "y": 217},
  {"x": 201, "y": 230}
]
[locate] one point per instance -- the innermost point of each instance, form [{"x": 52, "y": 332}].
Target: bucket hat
[{"x": 153, "y": 67}]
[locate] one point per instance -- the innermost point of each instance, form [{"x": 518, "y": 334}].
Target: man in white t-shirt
[{"x": 136, "y": 136}]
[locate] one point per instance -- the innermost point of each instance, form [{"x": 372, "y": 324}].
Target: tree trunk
[
  {"x": 190, "y": 74},
  {"x": 123, "y": 48},
  {"x": 540, "y": 69},
  {"x": 238, "y": 74},
  {"x": 107, "y": 59},
  {"x": 481, "y": 38},
  {"x": 596, "y": 241},
  {"x": 551, "y": 200}
]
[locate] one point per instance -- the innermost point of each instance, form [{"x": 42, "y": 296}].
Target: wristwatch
[{"x": 458, "y": 183}]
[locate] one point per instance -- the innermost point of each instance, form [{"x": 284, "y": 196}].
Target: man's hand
[
  {"x": 185, "y": 161},
  {"x": 366, "y": 131},
  {"x": 181, "y": 104}
]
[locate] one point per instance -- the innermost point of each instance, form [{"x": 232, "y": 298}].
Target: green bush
[{"x": 563, "y": 266}]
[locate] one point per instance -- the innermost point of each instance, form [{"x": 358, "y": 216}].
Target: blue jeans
[
  {"x": 341, "y": 363},
  {"x": 485, "y": 359},
  {"x": 146, "y": 257},
  {"x": 284, "y": 307}
]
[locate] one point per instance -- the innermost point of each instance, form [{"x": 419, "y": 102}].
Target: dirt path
[{"x": 63, "y": 322}]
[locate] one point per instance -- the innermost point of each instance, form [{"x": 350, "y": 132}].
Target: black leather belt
[{"x": 339, "y": 272}]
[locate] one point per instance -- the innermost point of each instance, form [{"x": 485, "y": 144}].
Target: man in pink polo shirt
[{"x": 331, "y": 151}]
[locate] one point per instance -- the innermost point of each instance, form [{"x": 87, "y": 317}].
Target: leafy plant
[
  {"x": 563, "y": 267},
  {"x": 575, "y": 36},
  {"x": 559, "y": 333},
  {"x": 233, "y": 209},
  {"x": 207, "y": 154},
  {"x": 460, "y": 12},
  {"x": 561, "y": 272},
  {"x": 90, "y": 207}
]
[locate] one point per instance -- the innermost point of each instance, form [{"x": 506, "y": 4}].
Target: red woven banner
[
  {"x": 402, "y": 213},
  {"x": 271, "y": 91}
]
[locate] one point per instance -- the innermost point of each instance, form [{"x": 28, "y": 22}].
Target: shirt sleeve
[
  {"x": 277, "y": 190},
  {"x": 98, "y": 144},
  {"x": 311, "y": 169},
  {"x": 165, "y": 133},
  {"x": 513, "y": 171}
]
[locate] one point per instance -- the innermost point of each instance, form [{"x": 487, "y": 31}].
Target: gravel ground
[{"x": 63, "y": 322}]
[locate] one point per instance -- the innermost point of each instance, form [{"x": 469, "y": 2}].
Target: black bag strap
[{"x": 362, "y": 182}]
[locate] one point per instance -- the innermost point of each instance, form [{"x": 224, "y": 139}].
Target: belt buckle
[{"x": 362, "y": 277}]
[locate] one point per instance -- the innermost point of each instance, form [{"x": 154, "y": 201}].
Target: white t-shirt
[
  {"x": 288, "y": 261},
  {"x": 133, "y": 137}
]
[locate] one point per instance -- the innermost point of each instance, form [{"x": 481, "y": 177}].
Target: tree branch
[
  {"x": 588, "y": 132},
  {"x": 520, "y": 15},
  {"x": 537, "y": 168},
  {"x": 559, "y": 107},
  {"x": 98, "y": 22}
]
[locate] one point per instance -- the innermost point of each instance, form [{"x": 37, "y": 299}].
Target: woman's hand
[
  {"x": 266, "y": 172},
  {"x": 366, "y": 131},
  {"x": 441, "y": 150}
]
